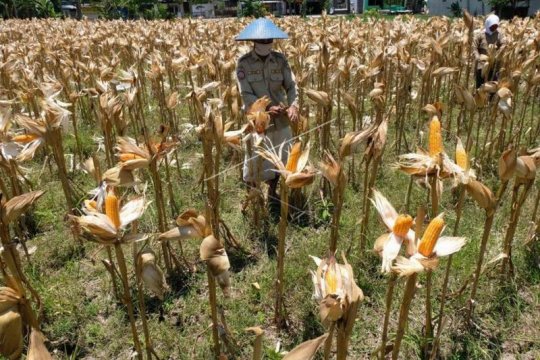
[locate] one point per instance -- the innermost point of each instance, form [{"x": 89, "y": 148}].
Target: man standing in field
[
  {"x": 263, "y": 72},
  {"x": 489, "y": 36}
]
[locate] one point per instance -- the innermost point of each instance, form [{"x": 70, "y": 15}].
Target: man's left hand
[{"x": 292, "y": 113}]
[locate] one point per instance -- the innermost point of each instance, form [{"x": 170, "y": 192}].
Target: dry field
[{"x": 127, "y": 232}]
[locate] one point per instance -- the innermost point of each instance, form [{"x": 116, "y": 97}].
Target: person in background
[
  {"x": 264, "y": 72},
  {"x": 489, "y": 36}
]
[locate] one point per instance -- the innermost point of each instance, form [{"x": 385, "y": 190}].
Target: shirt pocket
[
  {"x": 254, "y": 77},
  {"x": 276, "y": 79},
  {"x": 276, "y": 75}
]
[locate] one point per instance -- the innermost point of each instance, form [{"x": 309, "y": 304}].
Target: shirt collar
[{"x": 256, "y": 57}]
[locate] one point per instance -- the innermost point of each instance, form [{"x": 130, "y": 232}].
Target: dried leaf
[
  {"x": 306, "y": 350},
  {"x": 37, "y": 349},
  {"x": 481, "y": 194},
  {"x": 13, "y": 208},
  {"x": 213, "y": 252},
  {"x": 257, "y": 346},
  {"x": 11, "y": 333},
  {"x": 151, "y": 274},
  {"x": 507, "y": 164},
  {"x": 320, "y": 97}
]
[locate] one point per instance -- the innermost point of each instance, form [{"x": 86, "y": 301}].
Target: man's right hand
[{"x": 276, "y": 110}]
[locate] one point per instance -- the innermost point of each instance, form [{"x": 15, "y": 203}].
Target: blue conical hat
[{"x": 261, "y": 29}]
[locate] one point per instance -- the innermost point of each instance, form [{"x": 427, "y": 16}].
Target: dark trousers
[{"x": 491, "y": 76}]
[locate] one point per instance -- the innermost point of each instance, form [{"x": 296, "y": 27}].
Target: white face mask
[{"x": 263, "y": 49}]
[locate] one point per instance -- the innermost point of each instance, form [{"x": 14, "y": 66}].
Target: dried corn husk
[
  {"x": 180, "y": 233},
  {"x": 190, "y": 225},
  {"x": 213, "y": 252},
  {"x": 299, "y": 180},
  {"x": 117, "y": 176},
  {"x": 11, "y": 333},
  {"x": 353, "y": 139},
  {"x": 37, "y": 349},
  {"x": 380, "y": 242},
  {"x": 481, "y": 194},
  {"x": 320, "y": 97},
  {"x": 331, "y": 169},
  {"x": 525, "y": 168},
  {"x": 507, "y": 164},
  {"x": 89, "y": 166},
  {"x": 151, "y": 274},
  {"x": 257, "y": 345},
  {"x": 14, "y": 207},
  {"x": 469, "y": 20},
  {"x": 306, "y": 350},
  {"x": 335, "y": 289}
]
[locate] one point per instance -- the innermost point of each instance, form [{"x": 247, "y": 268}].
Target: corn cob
[
  {"x": 435, "y": 137},
  {"x": 431, "y": 235},
  {"x": 90, "y": 205},
  {"x": 129, "y": 156},
  {"x": 462, "y": 160},
  {"x": 402, "y": 225},
  {"x": 24, "y": 138},
  {"x": 112, "y": 207},
  {"x": 330, "y": 279},
  {"x": 293, "y": 157},
  {"x": 260, "y": 120}
]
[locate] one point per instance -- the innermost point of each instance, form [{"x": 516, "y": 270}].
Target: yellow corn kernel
[
  {"x": 293, "y": 157},
  {"x": 157, "y": 147},
  {"x": 24, "y": 138},
  {"x": 129, "y": 156},
  {"x": 435, "y": 144},
  {"x": 402, "y": 225},
  {"x": 112, "y": 208},
  {"x": 330, "y": 279},
  {"x": 462, "y": 160},
  {"x": 260, "y": 120},
  {"x": 431, "y": 235},
  {"x": 90, "y": 205}
]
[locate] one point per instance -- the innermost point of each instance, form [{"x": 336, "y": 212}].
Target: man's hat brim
[{"x": 261, "y": 29}]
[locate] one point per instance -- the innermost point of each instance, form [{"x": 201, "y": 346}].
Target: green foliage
[
  {"x": 455, "y": 9},
  {"x": 157, "y": 11},
  {"x": 44, "y": 8},
  {"x": 134, "y": 9},
  {"x": 499, "y": 4},
  {"x": 28, "y": 9},
  {"x": 254, "y": 8},
  {"x": 372, "y": 13},
  {"x": 303, "y": 9},
  {"x": 111, "y": 9}
]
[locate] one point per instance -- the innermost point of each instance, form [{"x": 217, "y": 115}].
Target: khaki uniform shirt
[
  {"x": 272, "y": 77},
  {"x": 481, "y": 43}
]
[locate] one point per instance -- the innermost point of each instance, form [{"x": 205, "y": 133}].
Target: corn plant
[{"x": 18, "y": 296}]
